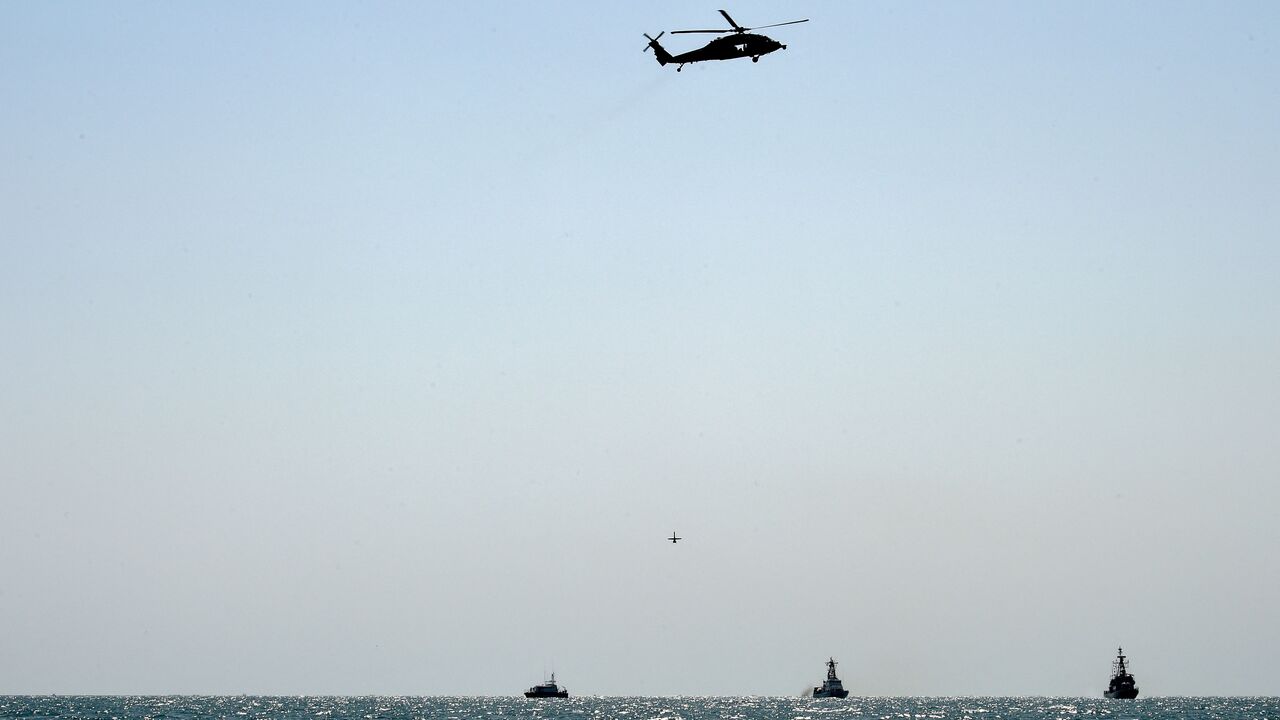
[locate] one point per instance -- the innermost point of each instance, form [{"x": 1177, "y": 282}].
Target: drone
[{"x": 742, "y": 43}]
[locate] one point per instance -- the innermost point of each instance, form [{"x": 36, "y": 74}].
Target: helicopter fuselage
[{"x": 731, "y": 47}]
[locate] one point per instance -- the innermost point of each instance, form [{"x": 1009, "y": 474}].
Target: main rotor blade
[
  {"x": 735, "y": 25},
  {"x": 681, "y": 32},
  {"x": 792, "y": 22}
]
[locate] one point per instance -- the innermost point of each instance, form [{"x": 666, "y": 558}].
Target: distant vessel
[
  {"x": 547, "y": 689},
  {"x": 831, "y": 687},
  {"x": 1122, "y": 685}
]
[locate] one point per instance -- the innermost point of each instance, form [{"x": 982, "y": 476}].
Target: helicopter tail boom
[{"x": 660, "y": 52}]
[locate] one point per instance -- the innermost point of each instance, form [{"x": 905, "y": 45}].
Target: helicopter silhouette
[{"x": 742, "y": 43}]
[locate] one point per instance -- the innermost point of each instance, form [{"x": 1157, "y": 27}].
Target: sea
[{"x": 174, "y": 707}]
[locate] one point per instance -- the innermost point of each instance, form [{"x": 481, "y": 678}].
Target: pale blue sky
[{"x": 373, "y": 348}]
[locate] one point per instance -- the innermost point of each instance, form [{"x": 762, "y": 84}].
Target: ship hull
[
  {"x": 1121, "y": 694},
  {"x": 560, "y": 694}
]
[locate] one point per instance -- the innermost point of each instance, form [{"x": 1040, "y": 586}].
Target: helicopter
[{"x": 742, "y": 43}]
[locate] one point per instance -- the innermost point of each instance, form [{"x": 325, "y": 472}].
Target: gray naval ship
[
  {"x": 547, "y": 690},
  {"x": 1122, "y": 685},
  {"x": 831, "y": 687}
]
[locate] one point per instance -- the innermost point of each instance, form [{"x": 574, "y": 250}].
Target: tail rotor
[{"x": 659, "y": 52}]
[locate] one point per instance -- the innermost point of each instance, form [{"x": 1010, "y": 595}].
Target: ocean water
[{"x": 646, "y": 708}]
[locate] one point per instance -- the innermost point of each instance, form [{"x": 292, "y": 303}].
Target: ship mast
[{"x": 831, "y": 669}]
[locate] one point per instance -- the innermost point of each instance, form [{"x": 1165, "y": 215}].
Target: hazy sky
[{"x": 375, "y": 347}]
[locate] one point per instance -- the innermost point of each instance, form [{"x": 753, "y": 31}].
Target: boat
[
  {"x": 547, "y": 689},
  {"x": 831, "y": 687},
  {"x": 1122, "y": 685}
]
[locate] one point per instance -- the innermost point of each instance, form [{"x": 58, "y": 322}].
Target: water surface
[{"x": 624, "y": 708}]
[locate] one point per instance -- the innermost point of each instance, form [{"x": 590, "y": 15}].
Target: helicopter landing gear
[
  {"x": 679, "y": 68},
  {"x": 755, "y": 58}
]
